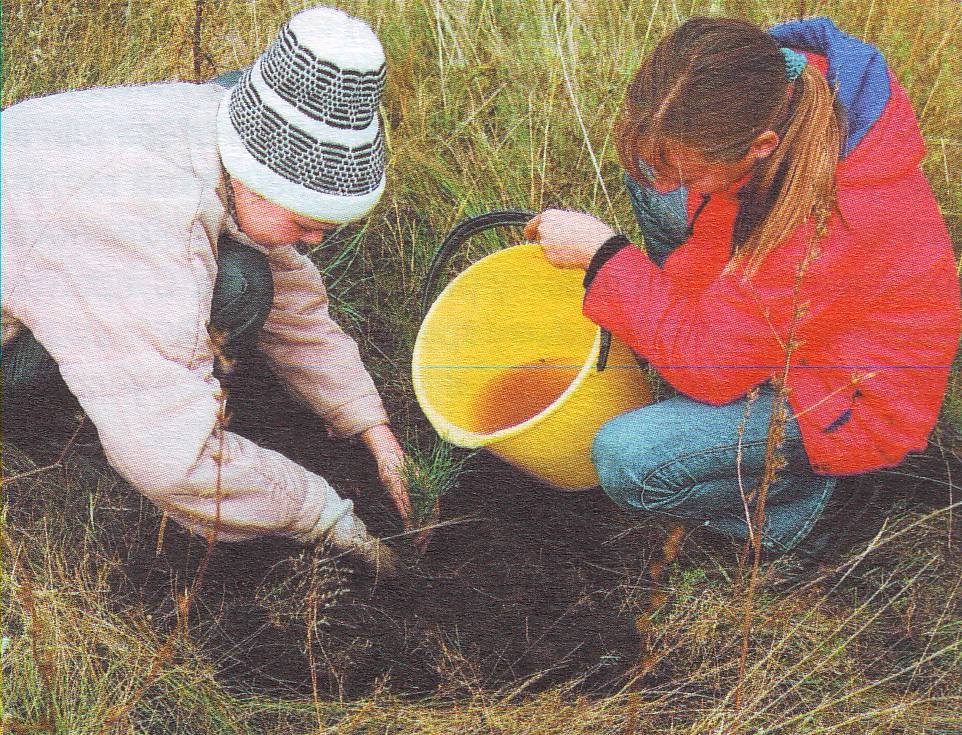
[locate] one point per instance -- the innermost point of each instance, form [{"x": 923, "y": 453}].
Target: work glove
[
  {"x": 350, "y": 534},
  {"x": 337, "y": 524}
]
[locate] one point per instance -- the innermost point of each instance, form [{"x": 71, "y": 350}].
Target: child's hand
[
  {"x": 387, "y": 452},
  {"x": 569, "y": 239}
]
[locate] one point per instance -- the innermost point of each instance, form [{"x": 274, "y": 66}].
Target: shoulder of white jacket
[
  {"x": 65, "y": 142},
  {"x": 166, "y": 100},
  {"x": 149, "y": 117}
]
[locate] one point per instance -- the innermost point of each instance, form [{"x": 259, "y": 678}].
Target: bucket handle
[
  {"x": 456, "y": 238},
  {"x": 471, "y": 226}
]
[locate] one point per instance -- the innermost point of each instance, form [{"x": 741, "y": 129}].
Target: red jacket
[{"x": 881, "y": 320}]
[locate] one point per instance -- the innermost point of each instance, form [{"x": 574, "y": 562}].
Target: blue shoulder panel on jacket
[{"x": 856, "y": 69}]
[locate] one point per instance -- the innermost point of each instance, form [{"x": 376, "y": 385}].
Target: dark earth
[{"x": 527, "y": 587}]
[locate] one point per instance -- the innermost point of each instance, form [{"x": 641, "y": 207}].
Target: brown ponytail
[
  {"x": 800, "y": 172},
  {"x": 715, "y": 84}
]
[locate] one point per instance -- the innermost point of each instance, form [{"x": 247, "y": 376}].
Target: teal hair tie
[{"x": 794, "y": 63}]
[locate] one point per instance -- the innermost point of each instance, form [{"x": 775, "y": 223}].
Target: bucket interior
[{"x": 500, "y": 345}]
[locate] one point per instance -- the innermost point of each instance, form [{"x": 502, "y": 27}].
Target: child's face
[
  {"x": 270, "y": 225},
  {"x": 677, "y": 164}
]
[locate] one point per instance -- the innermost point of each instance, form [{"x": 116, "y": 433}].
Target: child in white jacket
[{"x": 119, "y": 205}]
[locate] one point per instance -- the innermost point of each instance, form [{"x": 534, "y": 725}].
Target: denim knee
[
  {"x": 673, "y": 453},
  {"x": 28, "y": 369},
  {"x": 624, "y": 461},
  {"x": 243, "y": 294},
  {"x": 694, "y": 462}
]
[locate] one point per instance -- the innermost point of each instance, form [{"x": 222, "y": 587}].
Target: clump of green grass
[{"x": 430, "y": 475}]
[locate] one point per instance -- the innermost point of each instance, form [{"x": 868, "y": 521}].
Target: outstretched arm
[
  {"x": 321, "y": 364},
  {"x": 694, "y": 330},
  {"x": 125, "y": 323}
]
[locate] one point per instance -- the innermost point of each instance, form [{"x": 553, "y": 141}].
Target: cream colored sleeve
[
  {"x": 120, "y": 303},
  {"x": 314, "y": 357}
]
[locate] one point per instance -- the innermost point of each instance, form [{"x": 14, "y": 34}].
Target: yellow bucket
[{"x": 512, "y": 320}]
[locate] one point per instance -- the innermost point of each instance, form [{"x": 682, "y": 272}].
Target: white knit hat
[{"x": 301, "y": 126}]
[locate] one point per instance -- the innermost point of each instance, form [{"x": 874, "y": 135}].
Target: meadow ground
[{"x": 520, "y": 617}]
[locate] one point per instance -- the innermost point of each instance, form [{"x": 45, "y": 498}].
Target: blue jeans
[
  {"x": 680, "y": 458},
  {"x": 242, "y": 299}
]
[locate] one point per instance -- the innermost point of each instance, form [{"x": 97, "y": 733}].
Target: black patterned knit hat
[{"x": 301, "y": 127}]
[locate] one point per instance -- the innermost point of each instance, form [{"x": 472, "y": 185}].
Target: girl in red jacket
[{"x": 788, "y": 230}]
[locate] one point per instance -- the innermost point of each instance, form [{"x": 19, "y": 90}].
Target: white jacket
[{"x": 112, "y": 206}]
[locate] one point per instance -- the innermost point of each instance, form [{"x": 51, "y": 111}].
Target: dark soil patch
[
  {"x": 526, "y": 583},
  {"x": 528, "y": 586}
]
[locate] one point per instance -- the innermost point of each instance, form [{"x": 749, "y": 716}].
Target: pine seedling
[{"x": 429, "y": 475}]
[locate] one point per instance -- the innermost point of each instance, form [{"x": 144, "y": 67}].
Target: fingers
[
  {"x": 531, "y": 229},
  {"x": 389, "y": 455},
  {"x": 404, "y": 509},
  {"x": 401, "y": 501},
  {"x": 553, "y": 225},
  {"x": 394, "y": 483},
  {"x": 422, "y": 540}
]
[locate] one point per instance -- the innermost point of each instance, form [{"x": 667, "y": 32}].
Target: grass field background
[{"x": 488, "y": 105}]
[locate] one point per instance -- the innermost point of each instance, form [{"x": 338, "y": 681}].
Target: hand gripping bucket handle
[{"x": 469, "y": 227}]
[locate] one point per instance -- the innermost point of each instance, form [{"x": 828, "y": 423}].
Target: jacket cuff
[
  {"x": 611, "y": 247},
  {"x": 603, "y": 301},
  {"x": 322, "y": 509},
  {"x": 357, "y": 415}
]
